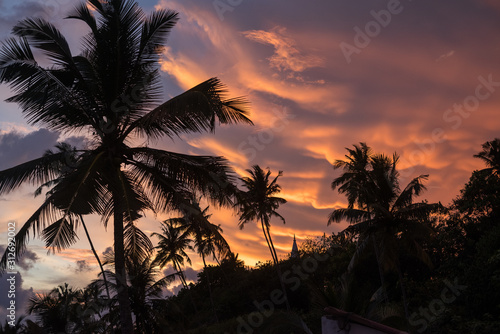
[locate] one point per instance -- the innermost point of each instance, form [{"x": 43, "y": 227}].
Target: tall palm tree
[
  {"x": 207, "y": 238},
  {"x": 111, "y": 92},
  {"x": 353, "y": 183},
  {"x": 258, "y": 203},
  {"x": 388, "y": 216},
  {"x": 171, "y": 248},
  {"x": 172, "y": 245}
]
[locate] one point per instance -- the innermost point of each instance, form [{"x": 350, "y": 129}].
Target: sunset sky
[{"x": 421, "y": 78}]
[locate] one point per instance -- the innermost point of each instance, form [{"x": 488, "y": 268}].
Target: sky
[{"x": 420, "y": 78}]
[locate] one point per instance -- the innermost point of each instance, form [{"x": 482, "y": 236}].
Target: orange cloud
[{"x": 286, "y": 55}]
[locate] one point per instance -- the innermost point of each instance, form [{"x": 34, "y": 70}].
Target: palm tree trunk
[
  {"x": 268, "y": 243},
  {"x": 184, "y": 283},
  {"x": 403, "y": 289},
  {"x": 380, "y": 270},
  {"x": 97, "y": 257},
  {"x": 183, "y": 278},
  {"x": 272, "y": 245},
  {"x": 127, "y": 327},
  {"x": 210, "y": 289},
  {"x": 276, "y": 264}
]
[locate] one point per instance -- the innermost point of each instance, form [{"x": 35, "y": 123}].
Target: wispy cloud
[
  {"x": 445, "y": 56},
  {"x": 286, "y": 54}
]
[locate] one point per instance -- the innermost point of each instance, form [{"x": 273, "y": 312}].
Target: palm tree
[
  {"x": 207, "y": 237},
  {"x": 352, "y": 182},
  {"x": 171, "y": 248},
  {"x": 68, "y": 310},
  {"x": 386, "y": 215},
  {"x": 258, "y": 203},
  {"x": 111, "y": 92},
  {"x": 354, "y": 176},
  {"x": 145, "y": 288},
  {"x": 491, "y": 156},
  {"x": 60, "y": 310}
]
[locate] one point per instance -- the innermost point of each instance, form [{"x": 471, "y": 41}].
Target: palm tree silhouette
[
  {"x": 172, "y": 245},
  {"x": 258, "y": 203},
  {"x": 173, "y": 242},
  {"x": 384, "y": 214},
  {"x": 353, "y": 183},
  {"x": 207, "y": 237},
  {"x": 145, "y": 288},
  {"x": 111, "y": 91},
  {"x": 491, "y": 156},
  {"x": 68, "y": 310}
]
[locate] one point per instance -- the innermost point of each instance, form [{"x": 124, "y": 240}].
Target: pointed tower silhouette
[{"x": 295, "y": 249}]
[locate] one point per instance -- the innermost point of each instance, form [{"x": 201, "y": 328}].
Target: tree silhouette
[
  {"x": 491, "y": 156},
  {"x": 111, "y": 91},
  {"x": 384, "y": 214},
  {"x": 258, "y": 203},
  {"x": 172, "y": 245},
  {"x": 145, "y": 288},
  {"x": 207, "y": 237},
  {"x": 68, "y": 310}
]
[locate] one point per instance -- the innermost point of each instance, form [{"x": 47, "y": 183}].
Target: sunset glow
[{"x": 427, "y": 86}]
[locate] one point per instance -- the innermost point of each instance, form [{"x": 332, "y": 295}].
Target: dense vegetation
[{"x": 418, "y": 266}]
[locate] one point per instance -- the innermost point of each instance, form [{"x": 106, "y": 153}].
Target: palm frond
[
  {"x": 348, "y": 214},
  {"x": 418, "y": 211},
  {"x": 83, "y": 190},
  {"x": 414, "y": 188},
  {"x": 195, "y": 110},
  {"x": 45, "y": 214},
  {"x": 40, "y": 170},
  {"x": 45, "y": 36},
  {"x": 82, "y": 12},
  {"x": 210, "y": 176},
  {"x": 490, "y": 154},
  {"x": 155, "y": 30},
  {"x": 137, "y": 244},
  {"x": 60, "y": 234}
]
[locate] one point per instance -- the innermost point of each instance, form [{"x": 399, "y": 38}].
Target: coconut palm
[
  {"x": 67, "y": 310},
  {"x": 491, "y": 156},
  {"x": 351, "y": 182},
  {"x": 145, "y": 288},
  {"x": 110, "y": 92},
  {"x": 387, "y": 216},
  {"x": 207, "y": 237},
  {"x": 258, "y": 203},
  {"x": 171, "y": 249}
]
